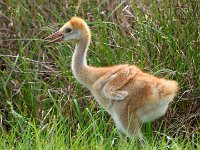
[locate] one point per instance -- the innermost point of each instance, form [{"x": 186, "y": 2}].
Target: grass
[{"x": 42, "y": 106}]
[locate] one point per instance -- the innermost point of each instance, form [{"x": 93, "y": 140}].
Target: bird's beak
[{"x": 57, "y": 34}]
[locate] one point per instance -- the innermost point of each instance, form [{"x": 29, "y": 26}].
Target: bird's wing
[{"x": 111, "y": 83}]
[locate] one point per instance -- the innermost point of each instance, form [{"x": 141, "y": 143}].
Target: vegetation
[{"x": 42, "y": 106}]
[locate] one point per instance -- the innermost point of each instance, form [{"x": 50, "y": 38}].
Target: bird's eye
[{"x": 68, "y": 30}]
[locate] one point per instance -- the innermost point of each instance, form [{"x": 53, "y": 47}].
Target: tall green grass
[{"x": 42, "y": 106}]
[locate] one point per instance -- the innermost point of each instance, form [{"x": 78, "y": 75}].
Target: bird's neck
[
  {"x": 80, "y": 68},
  {"x": 79, "y": 57}
]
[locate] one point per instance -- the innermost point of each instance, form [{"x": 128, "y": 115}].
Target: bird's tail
[{"x": 169, "y": 87}]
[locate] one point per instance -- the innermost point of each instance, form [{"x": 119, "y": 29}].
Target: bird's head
[{"x": 74, "y": 30}]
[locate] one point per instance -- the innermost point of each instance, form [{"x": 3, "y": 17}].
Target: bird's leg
[{"x": 134, "y": 130}]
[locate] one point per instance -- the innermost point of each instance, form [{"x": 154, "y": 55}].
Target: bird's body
[{"x": 128, "y": 94}]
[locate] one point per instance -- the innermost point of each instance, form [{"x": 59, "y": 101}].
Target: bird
[{"x": 131, "y": 96}]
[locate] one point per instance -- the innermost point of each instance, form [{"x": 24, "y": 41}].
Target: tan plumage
[{"x": 128, "y": 94}]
